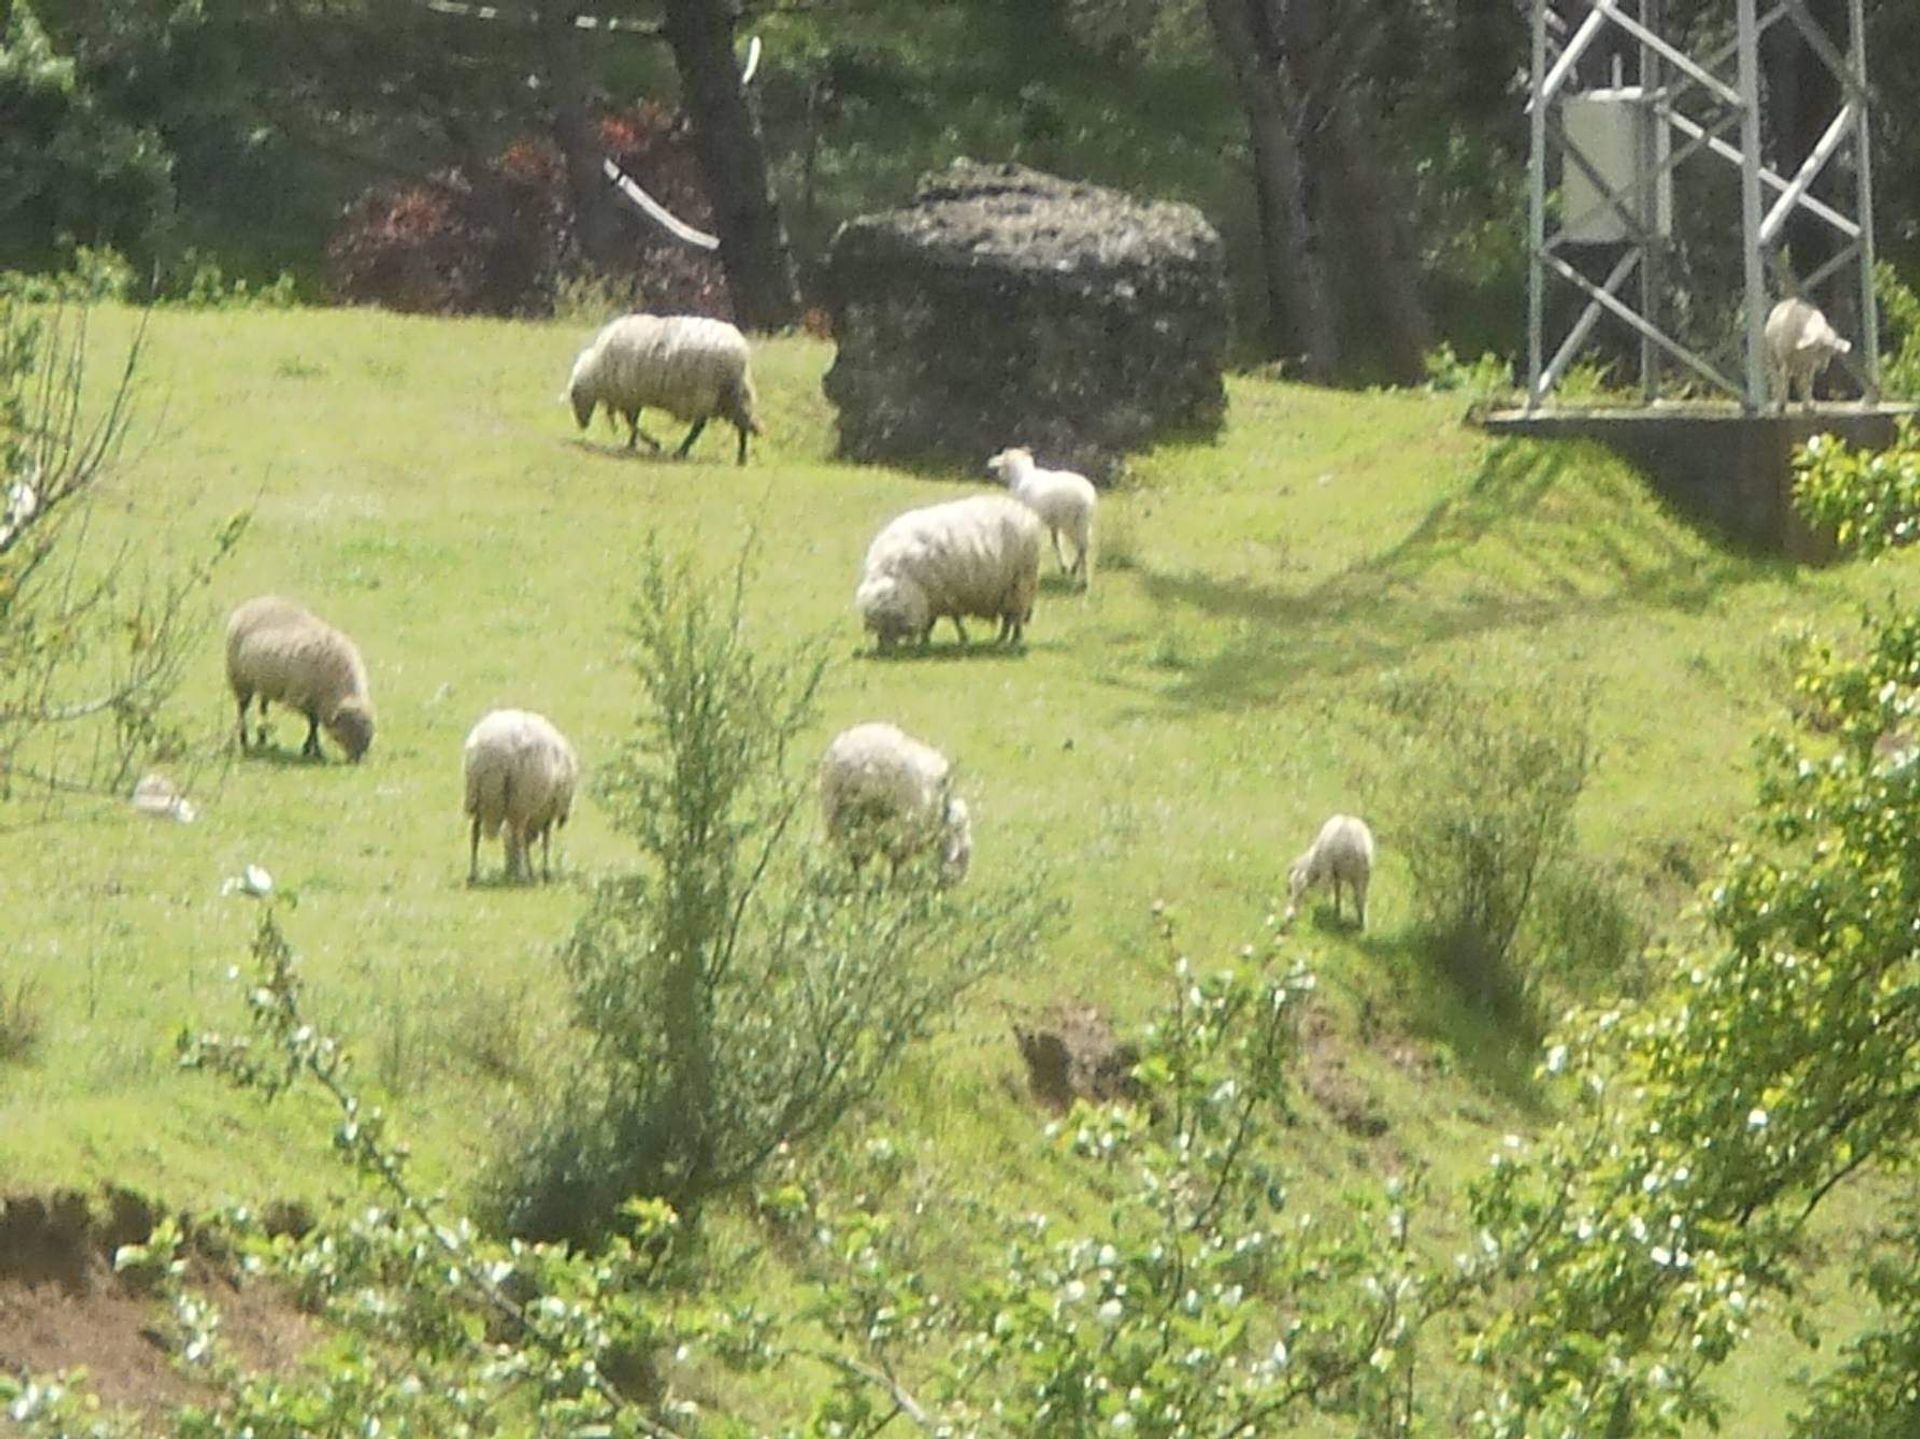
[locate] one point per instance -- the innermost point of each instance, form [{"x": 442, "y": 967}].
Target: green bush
[
  {"x": 1585, "y": 932},
  {"x": 1474, "y": 788},
  {"x": 72, "y": 174},
  {"x": 1483, "y": 380},
  {"x": 744, "y": 989},
  {"x": 1869, "y": 500},
  {"x": 196, "y": 281},
  {"x": 1900, "y": 314}
]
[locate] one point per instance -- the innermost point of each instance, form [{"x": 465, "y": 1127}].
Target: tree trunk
[
  {"x": 1357, "y": 198},
  {"x": 689, "y": 1113},
  {"x": 1489, "y": 46},
  {"x": 1300, "y": 312},
  {"x": 753, "y": 245},
  {"x": 597, "y": 223}
]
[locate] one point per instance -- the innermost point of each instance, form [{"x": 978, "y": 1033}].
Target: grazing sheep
[
  {"x": 881, "y": 789},
  {"x": 1341, "y": 853},
  {"x": 974, "y": 557},
  {"x": 279, "y": 651},
  {"x": 520, "y": 774},
  {"x": 687, "y": 365},
  {"x": 1064, "y": 500},
  {"x": 1800, "y": 343}
]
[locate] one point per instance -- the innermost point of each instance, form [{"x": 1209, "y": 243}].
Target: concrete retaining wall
[{"x": 1729, "y": 472}]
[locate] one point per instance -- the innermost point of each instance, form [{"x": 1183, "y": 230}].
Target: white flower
[
  {"x": 1756, "y": 1118},
  {"x": 1109, "y": 1312}
]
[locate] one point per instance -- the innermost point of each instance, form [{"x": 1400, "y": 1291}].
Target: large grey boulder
[{"x": 1005, "y": 306}]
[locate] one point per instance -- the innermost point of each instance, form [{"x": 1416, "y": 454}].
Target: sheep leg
[
  {"x": 260, "y": 735},
  {"x": 634, "y": 432},
  {"x": 245, "y": 701},
  {"x": 694, "y": 434},
  {"x": 1360, "y": 900},
  {"x": 546, "y": 854},
  {"x": 473, "y": 852},
  {"x": 1058, "y": 555},
  {"x": 741, "y": 458},
  {"x": 311, "y": 749},
  {"x": 959, "y": 629}
]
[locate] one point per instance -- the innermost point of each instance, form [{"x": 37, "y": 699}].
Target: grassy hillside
[{"x": 1179, "y": 734}]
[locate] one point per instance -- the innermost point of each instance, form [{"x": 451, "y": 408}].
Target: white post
[
  {"x": 1537, "y": 212},
  {"x": 1747, "y": 23},
  {"x": 1863, "y": 170}
]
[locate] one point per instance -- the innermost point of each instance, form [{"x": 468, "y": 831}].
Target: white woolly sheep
[
  {"x": 1064, "y": 500},
  {"x": 1342, "y": 853},
  {"x": 1800, "y": 343},
  {"x": 690, "y": 366},
  {"x": 974, "y": 557},
  {"x": 882, "y": 789},
  {"x": 279, "y": 651},
  {"x": 520, "y": 773}
]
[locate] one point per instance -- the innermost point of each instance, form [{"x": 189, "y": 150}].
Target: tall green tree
[
  {"x": 369, "y": 90},
  {"x": 70, "y": 172}
]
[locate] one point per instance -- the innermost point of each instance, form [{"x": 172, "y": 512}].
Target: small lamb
[
  {"x": 974, "y": 557},
  {"x": 1800, "y": 344},
  {"x": 279, "y": 651},
  {"x": 1064, "y": 500},
  {"x": 520, "y": 775},
  {"x": 690, "y": 366},
  {"x": 1341, "y": 853},
  {"x": 882, "y": 789}
]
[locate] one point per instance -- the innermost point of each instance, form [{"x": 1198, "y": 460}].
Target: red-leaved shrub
[{"x": 502, "y": 242}]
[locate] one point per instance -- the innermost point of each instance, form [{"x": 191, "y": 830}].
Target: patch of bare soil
[
  {"x": 63, "y": 1307},
  {"x": 1072, "y": 1053},
  {"x": 1331, "y": 1083}
]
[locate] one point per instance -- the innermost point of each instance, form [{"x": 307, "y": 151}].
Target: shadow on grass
[
  {"x": 1522, "y": 546},
  {"x": 280, "y": 757},
  {"x": 666, "y": 455},
  {"x": 1059, "y": 582},
  {"x": 498, "y": 879},
  {"x": 1494, "y": 1036},
  {"x": 978, "y": 652}
]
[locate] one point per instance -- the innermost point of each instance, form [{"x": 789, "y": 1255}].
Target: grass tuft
[{"x": 23, "y": 1022}]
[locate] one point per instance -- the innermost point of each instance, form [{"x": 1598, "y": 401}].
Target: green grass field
[{"x": 1177, "y": 735}]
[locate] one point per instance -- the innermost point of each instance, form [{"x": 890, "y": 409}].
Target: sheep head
[
  {"x": 893, "y": 608},
  {"x": 351, "y": 727},
  {"x": 956, "y": 842},
  {"x": 582, "y": 393},
  {"x": 1010, "y": 464},
  {"x": 1299, "y": 877}
]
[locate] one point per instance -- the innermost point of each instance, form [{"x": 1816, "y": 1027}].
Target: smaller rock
[{"x": 159, "y": 796}]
